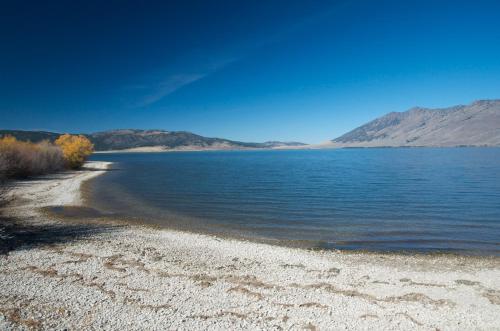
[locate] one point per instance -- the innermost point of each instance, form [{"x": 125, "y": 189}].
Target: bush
[
  {"x": 50, "y": 157},
  {"x": 75, "y": 149},
  {"x": 19, "y": 159},
  {"x": 22, "y": 159}
]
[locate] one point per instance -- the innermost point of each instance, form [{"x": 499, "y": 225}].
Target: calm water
[{"x": 374, "y": 199}]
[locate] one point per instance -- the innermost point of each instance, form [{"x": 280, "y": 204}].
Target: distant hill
[
  {"x": 477, "y": 124},
  {"x": 129, "y": 139},
  {"x": 33, "y": 136},
  {"x": 150, "y": 140}
]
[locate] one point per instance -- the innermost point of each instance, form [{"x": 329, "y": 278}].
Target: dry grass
[{"x": 20, "y": 159}]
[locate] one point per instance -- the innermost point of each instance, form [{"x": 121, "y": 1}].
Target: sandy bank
[
  {"x": 160, "y": 149},
  {"x": 90, "y": 275}
]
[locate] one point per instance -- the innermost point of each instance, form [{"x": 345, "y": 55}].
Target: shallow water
[{"x": 420, "y": 199}]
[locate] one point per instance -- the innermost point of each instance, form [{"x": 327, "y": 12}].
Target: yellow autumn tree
[{"x": 75, "y": 149}]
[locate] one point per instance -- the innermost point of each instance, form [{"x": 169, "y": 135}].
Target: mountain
[
  {"x": 476, "y": 124},
  {"x": 149, "y": 140}
]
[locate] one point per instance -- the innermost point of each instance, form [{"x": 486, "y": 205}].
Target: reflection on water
[{"x": 375, "y": 199}]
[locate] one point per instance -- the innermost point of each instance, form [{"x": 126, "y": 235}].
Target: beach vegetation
[
  {"x": 75, "y": 149},
  {"x": 19, "y": 159}
]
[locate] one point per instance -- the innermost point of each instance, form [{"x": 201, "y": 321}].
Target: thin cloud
[
  {"x": 158, "y": 91},
  {"x": 155, "y": 92},
  {"x": 166, "y": 87}
]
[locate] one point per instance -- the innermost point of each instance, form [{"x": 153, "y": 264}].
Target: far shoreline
[{"x": 300, "y": 148}]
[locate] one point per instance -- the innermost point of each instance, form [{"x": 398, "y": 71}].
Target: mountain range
[
  {"x": 150, "y": 140},
  {"x": 476, "y": 124}
]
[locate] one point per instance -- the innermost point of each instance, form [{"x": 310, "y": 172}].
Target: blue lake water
[{"x": 420, "y": 199}]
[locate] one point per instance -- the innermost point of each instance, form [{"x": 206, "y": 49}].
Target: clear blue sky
[{"x": 245, "y": 70}]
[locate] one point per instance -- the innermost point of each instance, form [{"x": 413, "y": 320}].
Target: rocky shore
[{"x": 95, "y": 273}]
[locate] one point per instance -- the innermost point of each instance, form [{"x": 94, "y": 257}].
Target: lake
[{"x": 392, "y": 199}]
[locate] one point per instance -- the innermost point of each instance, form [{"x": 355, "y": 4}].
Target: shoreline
[
  {"x": 164, "y": 279},
  {"x": 196, "y": 225},
  {"x": 312, "y": 147}
]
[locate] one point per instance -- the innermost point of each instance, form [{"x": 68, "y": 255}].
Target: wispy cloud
[
  {"x": 157, "y": 89},
  {"x": 165, "y": 87}
]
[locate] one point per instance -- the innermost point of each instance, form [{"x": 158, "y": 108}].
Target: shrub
[
  {"x": 75, "y": 149},
  {"x": 50, "y": 158},
  {"x": 23, "y": 159}
]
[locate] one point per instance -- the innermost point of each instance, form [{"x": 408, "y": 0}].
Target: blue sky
[{"x": 244, "y": 70}]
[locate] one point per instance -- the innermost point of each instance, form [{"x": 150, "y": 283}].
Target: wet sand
[{"x": 89, "y": 272}]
